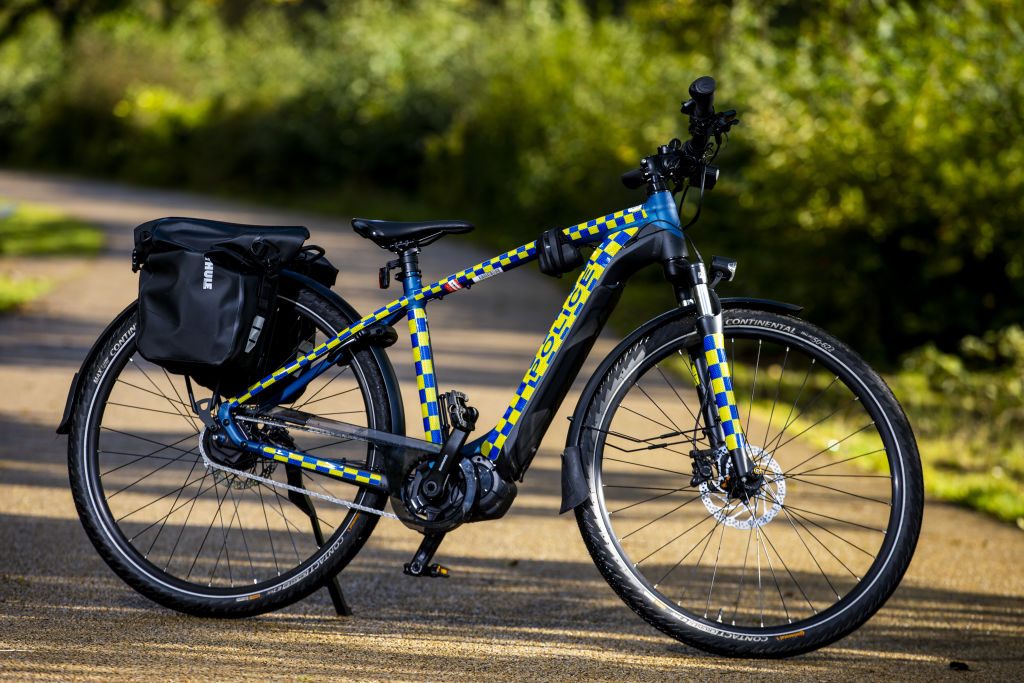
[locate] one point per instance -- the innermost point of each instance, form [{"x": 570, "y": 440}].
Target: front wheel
[{"x": 804, "y": 561}]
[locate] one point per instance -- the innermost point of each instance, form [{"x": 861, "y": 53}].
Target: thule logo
[{"x": 207, "y": 274}]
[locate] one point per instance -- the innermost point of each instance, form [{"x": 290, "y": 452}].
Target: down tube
[{"x": 514, "y": 441}]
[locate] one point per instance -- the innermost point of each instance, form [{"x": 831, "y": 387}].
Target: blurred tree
[{"x": 68, "y": 14}]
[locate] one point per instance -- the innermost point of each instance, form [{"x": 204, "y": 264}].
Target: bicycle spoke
[
  {"x": 671, "y": 386},
  {"x": 656, "y": 519},
  {"x": 312, "y": 399},
  {"x": 834, "y": 463},
  {"x": 188, "y": 516},
  {"x": 798, "y": 511},
  {"x": 645, "y": 500},
  {"x": 673, "y": 540},
  {"x": 775, "y": 401},
  {"x": 840, "y": 491},
  {"x": 147, "y": 475},
  {"x": 270, "y": 535},
  {"x": 714, "y": 572},
  {"x": 650, "y": 467}
]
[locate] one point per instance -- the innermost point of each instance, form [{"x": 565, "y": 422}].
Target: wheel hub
[
  {"x": 760, "y": 506},
  {"x": 236, "y": 459}
]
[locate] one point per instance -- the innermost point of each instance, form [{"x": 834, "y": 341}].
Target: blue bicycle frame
[{"x": 624, "y": 241}]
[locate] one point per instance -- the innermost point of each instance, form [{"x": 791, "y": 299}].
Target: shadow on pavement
[{"x": 559, "y": 612}]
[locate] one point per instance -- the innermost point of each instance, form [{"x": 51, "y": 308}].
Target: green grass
[
  {"x": 967, "y": 437},
  {"x": 968, "y": 413},
  {"x": 16, "y": 291},
  {"x": 32, "y": 229}
]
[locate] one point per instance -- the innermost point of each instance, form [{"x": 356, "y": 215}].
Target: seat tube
[{"x": 423, "y": 355}]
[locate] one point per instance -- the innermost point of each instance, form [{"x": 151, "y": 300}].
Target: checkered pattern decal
[
  {"x": 721, "y": 385},
  {"x": 616, "y": 228},
  {"x": 426, "y": 381},
  {"x": 323, "y": 466},
  {"x": 582, "y": 233},
  {"x": 460, "y": 280},
  {"x": 589, "y": 231},
  {"x": 599, "y": 260}
]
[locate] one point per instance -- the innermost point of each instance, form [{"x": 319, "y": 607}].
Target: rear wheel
[
  {"x": 806, "y": 559},
  {"x": 200, "y": 540}
]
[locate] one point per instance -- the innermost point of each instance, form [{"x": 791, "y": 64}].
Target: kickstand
[
  {"x": 418, "y": 566},
  {"x": 302, "y": 501}
]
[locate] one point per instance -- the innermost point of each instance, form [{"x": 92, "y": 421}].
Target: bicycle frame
[{"x": 624, "y": 242}]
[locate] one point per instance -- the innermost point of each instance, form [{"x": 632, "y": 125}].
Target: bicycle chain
[{"x": 210, "y": 464}]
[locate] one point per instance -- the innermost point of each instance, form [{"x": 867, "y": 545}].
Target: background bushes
[
  {"x": 880, "y": 156},
  {"x": 876, "y": 178}
]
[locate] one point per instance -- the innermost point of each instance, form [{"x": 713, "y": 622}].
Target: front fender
[{"x": 574, "y": 485}]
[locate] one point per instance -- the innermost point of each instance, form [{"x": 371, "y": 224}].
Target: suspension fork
[{"x": 713, "y": 377}]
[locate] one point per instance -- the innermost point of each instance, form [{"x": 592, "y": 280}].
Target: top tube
[{"x": 659, "y": 207}]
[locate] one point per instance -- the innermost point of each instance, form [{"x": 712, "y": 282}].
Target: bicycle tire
[
  {"x": 197, "y": 540},
  {"x": 825, "y": 542}
]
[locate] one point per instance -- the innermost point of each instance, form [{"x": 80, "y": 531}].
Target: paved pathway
[{"x": 530, "y": 606}]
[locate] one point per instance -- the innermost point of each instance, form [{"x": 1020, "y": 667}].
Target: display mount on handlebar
[{"x": 687, "y": 163}]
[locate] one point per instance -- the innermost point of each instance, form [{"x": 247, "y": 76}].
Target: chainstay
[{"x": 288, "y": 487}]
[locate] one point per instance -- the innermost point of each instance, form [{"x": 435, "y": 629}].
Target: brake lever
[{"x": 722, "y": 123}]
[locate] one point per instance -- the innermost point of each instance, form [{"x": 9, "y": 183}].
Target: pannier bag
[{"x": 208, "y": 291}]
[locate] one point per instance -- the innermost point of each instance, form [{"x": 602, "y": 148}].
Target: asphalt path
[{"x": 525, "y": 601}]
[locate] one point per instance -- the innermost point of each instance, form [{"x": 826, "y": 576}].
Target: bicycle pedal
[
  {"x": 457, "y": 413},
  {"x": 434, "y": 571}
]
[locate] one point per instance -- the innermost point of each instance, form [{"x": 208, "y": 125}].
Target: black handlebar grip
[
  {"x": 702, "y": 91},
  {"x": 634, "y": 179}
]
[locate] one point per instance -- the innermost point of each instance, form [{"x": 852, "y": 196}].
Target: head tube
[{"x": 661, "y": 208}]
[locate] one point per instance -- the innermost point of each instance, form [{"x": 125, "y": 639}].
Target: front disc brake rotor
[{"x": 761, "y": 506}]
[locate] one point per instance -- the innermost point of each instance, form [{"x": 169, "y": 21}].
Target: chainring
[{"x": 455, "y": 506}]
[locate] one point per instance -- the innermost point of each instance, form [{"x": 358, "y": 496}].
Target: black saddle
[{"x": 396, "y": 236}]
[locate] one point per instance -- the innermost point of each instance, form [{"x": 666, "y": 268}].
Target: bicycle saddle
[{"x": 395, "y": 236}]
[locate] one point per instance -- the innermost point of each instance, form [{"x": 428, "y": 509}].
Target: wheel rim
[
  {"x": 805, "y": 562},
  {"x": 197, "y": 531}
]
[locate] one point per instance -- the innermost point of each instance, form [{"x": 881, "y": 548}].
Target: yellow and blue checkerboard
[
  {"x": 721, "y": 386},
  {"x": 616, "y": 229},
  {"x": 624, "y": 225},
  {"x": 323, "y": 466},
  {"x": 426, "y": 380}
]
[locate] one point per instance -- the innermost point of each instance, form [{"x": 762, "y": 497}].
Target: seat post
[{"x": 410, "y": 272}]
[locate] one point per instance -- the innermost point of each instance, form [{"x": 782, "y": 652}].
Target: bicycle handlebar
[
  {"x": 700, "y": 107},
  {"x": 634, "y": 179},
  {"x": 702, "y": 91},
  {"x": 681, "y": 162}
]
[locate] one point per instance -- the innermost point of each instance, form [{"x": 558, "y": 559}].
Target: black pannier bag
[{"x": 208, "y": 298}]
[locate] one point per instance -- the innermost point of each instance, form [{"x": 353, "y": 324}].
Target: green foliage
[
  {"x": 876, "y": 177},
  {"x": 968, "y": 412},
  {"x": 17, "y": 291},
  {"x": 885, "y": 149},
  {"x": 878, "y": 139},
  {"x": 27, "y": 229}
]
